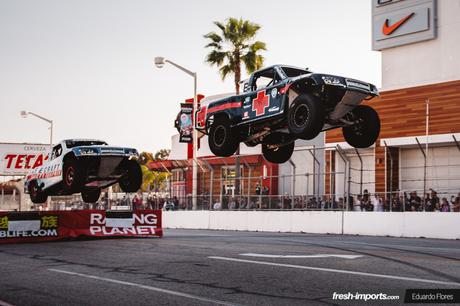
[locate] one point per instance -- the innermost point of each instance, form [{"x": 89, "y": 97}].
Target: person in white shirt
[
  {"x": 217, "y": 206},
  {"x": 377, "y": 202},
  {"x": 357, "y": 205}
]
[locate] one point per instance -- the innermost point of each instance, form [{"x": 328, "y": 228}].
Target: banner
[
  {"x": 55, "y": 225},
  {"x": 185, "y": 123},
  {"x": 19, "y": 158}
]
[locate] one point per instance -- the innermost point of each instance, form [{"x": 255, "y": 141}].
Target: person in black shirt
[
  {"x": 433, "y": 202},
  {"x": 414, "y": 202},
  {"x": 258, "y": 189}
]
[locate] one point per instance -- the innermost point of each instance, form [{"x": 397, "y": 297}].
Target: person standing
[
  {"x": 357, "y": 205},
  {"x": 445, "y": 207},
  {"x": 377, "y": 202},
  {"x": 258, "y": 189}
]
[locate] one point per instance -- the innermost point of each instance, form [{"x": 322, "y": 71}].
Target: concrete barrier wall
[{"x": 410, "y": 224}]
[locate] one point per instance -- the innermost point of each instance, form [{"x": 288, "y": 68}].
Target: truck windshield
[
  {"x": 78, "y": 143},
  {"x": 293, "y": 72}
]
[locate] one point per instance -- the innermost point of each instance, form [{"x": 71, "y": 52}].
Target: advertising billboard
[
  {"x": 185, "y": 123},
  {"x": 19, "y": 158},
  {"x": 55, "y": 225},
  {"x": 396, "y": 23}
]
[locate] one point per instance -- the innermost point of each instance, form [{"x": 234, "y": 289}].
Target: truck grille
[
  {"x": 112, "y": 151},
  {"x": 358, "y": 85}
]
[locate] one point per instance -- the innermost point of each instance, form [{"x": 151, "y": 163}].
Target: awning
[
  {"x": 171, "y": 164},
  {"x": 436, "y": 140}
]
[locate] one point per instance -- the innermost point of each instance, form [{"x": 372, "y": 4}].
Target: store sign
[
  {"x": 401, "y": 22},
  {"x": 55, "y": 225},
  {"x": 185, "y": 123},
  {"x": 18, "y": 159}
]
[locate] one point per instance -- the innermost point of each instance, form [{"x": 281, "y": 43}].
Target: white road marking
[
  {"x": 171, "y": 234},
  {"x": 421, "y": 280},
  {"x": 399, "y": 246},
  {"x": 3, "y": 303},
  {"x": 115, "y": 281},
  {"x": 302, "y": 256}
]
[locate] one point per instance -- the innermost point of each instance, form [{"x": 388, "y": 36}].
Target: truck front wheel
[
  {"x": 72, "y": 176},
  {"x": 222, "y": 139},
  {"x": 366, "y": 129},
  {"x": 132, "y": 180},
  {"x": 306, "y": 117}
]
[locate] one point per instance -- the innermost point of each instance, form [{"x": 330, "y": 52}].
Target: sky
[{"x": 88, "y": 64}]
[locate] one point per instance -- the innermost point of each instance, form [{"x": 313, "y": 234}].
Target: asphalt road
[{"x": 194, "y": 267}]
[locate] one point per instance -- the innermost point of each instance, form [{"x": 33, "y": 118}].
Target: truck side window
[
  {"x": 266, "y": 78},
  {"x": 57, "y": 151}
]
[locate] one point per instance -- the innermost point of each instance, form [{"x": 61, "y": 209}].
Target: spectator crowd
[{"x": 261, "y": 200}]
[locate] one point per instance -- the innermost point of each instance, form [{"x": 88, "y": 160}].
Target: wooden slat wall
[{"x": 402, "y": 113}]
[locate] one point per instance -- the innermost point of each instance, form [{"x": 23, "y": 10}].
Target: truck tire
[
  {"x": 36, "y": 195},
  {"x": 364, "y": 133},
  {"x": 90, "y": 195},
  {"x": 72, "y": 176},
  {"x": 277, "y": 155},
  {"x": 306, "y": 117},
  {"x": 222, "y": 139},
  {"x": 132, "y": 180}
]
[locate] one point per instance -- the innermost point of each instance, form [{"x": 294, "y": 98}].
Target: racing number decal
[{"x": 260, "y": 103}]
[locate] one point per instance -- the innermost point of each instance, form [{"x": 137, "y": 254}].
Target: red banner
[{"x": 55, "y": 225}]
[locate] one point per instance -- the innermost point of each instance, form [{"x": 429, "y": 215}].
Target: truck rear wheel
[
  {"x": 90, "y": 195},
  {"x": 222, "y": 139},
  {"x": 306, "y": 117},
  {"x": 366, "y": 130},
  {"x": 279, "y": 154},
  {"x": 132, "y": 180},
  {"x": 36, "y": 195}
]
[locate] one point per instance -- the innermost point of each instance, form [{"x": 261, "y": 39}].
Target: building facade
[{"x": 419, "y": 103}]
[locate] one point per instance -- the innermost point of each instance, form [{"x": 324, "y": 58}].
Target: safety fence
[
  {"x": 315, "y": 178},
  {"x": 328, "y": 178}
]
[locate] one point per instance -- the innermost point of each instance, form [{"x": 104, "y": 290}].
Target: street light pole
[
  {"x": 159, "y": 63},
  {"x": 24, "y": 114}
]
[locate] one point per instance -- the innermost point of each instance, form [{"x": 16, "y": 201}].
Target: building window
[{"x": 228, "y": 180}]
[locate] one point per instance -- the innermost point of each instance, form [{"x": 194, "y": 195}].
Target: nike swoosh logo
[{"x": 387, "y": 30}]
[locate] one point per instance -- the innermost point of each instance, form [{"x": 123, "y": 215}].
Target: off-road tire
[
  {"x": 278, "y": 155},
  {"x": 72, "y": 176},
  {"x": 131, "y": 181},
  {"x": 306, "y": 117},
  {"x": 90, "y": 195},
  {"x": 365, "y": 133},
  {"x": 36, "y": 195},
  {"x": 223, "y": 141}
]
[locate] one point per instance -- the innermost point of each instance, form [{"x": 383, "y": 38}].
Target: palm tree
[
  {"x": 233, "y": 47},
  {"x": 153, "y": 179},
  {"x": 230, "y": 49}
]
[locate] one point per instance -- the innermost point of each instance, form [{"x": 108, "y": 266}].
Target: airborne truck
[
  {"x": 283, "y": 103},
  {"x": 86, "y": 166}
]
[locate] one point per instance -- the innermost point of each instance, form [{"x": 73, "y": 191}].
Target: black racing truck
[{"x": 280, "y": 104}]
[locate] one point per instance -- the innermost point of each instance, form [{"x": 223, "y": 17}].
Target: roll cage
[{"x": 272, "y": 75}]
